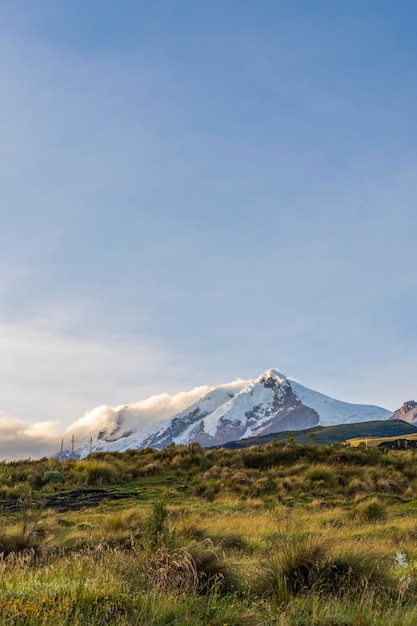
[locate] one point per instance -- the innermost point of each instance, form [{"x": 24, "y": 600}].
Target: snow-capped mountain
[{"x": 268, "y": 404}]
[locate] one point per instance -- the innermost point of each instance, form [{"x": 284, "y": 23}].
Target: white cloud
[
  {"x": 142, "y": 414},
  {"x": 19, "y": 439}
]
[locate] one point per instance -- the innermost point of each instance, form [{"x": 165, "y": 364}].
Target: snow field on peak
[
  {"x": 333, "y": 411},
  {"x": 235, "y": 409}
]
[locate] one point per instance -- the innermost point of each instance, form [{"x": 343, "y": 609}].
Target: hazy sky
[{"x": 196, "y": 191}]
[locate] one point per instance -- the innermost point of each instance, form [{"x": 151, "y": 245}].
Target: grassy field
[
  {"x": 280, "y": 534},
  {"x": 375, "y": 441}
]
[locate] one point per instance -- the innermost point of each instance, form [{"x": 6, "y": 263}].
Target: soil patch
[{"x": 69, "y": 501}]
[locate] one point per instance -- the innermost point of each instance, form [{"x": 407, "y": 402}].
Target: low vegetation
[{"x": 283, "y": 534}]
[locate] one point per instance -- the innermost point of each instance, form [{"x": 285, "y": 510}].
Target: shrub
[
  {"x": 52, "y": 476},
  {"x": 157, "y": 529}
]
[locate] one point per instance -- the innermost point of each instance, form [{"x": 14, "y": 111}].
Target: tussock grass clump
[
  {"x": 232, "y": 541},
  {"x": 150, "y": 469},
  {"x": 33, "y": 529},
  {"x": 390, "y": 486},
  {"x": 181, "y": 461},
  {"x": 307, "y": 564},
  {"x": 207, "y": 490},
  {"x": 128, "y": 519},
  {"x": 239, "y": 479},
  {"x": 291, "y": 565},
  {"x": 95, "y": 472},
  {"x": 189, "y": 529},
  {"x": 198, "y": 568},
  {"x": 372, "y": 510},
  {"x": 320, "y": 473},
  {"x": 4, "y": 492},
  {"x": 356, "y": 486}
]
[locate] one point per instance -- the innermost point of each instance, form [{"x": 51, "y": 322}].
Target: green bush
[
  {"x": 157, "y": 530},
  {"x": 52, "y": 476}
]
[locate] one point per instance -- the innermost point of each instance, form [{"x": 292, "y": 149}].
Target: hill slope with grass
[
  {"x": 275, "y": 534},
  {"x": 331, "y": 434}
]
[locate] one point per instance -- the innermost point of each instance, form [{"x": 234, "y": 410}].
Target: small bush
[
  {"x": 157, "y": 529},
  {"x": 52, "y": 477}
]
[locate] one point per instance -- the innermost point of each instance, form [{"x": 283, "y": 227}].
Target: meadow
[{"x": 284, "y": 534}]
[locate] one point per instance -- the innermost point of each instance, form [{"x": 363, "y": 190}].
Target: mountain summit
[{"x": 244, "y": 408}]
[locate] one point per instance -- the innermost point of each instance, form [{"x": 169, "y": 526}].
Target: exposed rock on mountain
[{"x": 408, "y": 412}]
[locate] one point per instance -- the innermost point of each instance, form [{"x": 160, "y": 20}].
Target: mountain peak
[{"x": 272, "y": 375}]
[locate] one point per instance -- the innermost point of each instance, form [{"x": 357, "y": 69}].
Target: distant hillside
[{"x": 331, "y": 434}]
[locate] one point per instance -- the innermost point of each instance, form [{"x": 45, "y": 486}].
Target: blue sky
[{"x": 193, "y": 192}]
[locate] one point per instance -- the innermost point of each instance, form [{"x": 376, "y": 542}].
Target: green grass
[
  {"x": 332, "y": 434},
  {"x": 374, "y": 441},
  {"x": 284, "y": 534}
]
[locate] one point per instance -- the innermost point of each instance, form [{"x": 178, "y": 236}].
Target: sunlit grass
[{"x": 172, "y": 552}]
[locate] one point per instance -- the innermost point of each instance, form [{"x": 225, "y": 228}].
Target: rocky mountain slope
[{"x": 408, "y": 413}]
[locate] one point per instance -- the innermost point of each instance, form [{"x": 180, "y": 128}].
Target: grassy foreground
[{"x": 282, "y": 534}]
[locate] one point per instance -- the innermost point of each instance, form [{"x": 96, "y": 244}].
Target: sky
[{"x": 194, "y": 192}]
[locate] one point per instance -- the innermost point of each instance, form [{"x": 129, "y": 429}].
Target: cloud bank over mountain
[
  {"x": 144, "y": 413},
  {"x": 20, "y": 439}
]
